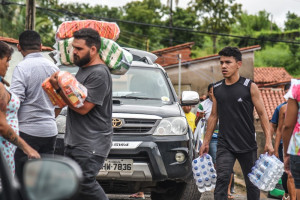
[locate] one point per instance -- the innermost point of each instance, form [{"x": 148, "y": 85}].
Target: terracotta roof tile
[
  {"x": 14, "y": 41},
  {"x": 255, "y": 47},
  {"x": 264, "y": 75},
  {"x": 272, "y": 97},
  {"x": 173, "y": 48}
]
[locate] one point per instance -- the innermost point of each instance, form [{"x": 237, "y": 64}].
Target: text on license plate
[{"x": 117, "y": 165}]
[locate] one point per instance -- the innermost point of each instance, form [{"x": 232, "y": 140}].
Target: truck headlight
[{"x": 172, "y": 126}]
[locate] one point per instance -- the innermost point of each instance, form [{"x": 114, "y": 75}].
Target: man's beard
[{"x": 83, "y": 61}]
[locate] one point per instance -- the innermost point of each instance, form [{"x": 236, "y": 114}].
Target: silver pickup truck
[{"x": 153, "y": 146}]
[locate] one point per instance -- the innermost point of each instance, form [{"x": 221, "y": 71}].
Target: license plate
[{"x": 117, "y": 165}]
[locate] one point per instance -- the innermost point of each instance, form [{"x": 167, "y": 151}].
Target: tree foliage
[
  {"x": 293, "y": 21},
  {"x": 217, "y": 15}
]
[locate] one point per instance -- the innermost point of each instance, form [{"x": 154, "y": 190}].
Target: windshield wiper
[{"x": 135, "y": 97}]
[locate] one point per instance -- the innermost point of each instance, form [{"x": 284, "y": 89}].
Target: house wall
[{"x": 203, "y": 72}]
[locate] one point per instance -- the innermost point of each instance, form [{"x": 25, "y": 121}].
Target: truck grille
[{"x": 136, "y": 126}]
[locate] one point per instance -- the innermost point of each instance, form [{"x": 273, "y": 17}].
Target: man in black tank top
[{"x": 233, "y": 103}]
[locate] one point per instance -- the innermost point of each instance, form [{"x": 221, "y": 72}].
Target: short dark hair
[
  {"x": 231, "y": 51},
  {"x": 91, "y": 37},
  {"x": 287, "y": 86},
  {"x": 5, "y": 50},
  {"x": 30, "y": 40},
  {"x": 209, "y": 86}
]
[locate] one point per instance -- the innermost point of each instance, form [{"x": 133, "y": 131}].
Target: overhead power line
[{"x": 264, "y": 39}]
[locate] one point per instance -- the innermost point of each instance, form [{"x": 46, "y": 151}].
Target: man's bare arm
[
  {"x": 57, "y": 111},
  {"x": 279, "y": 129},
  {"x": 87, "y": 106},
  {"x": 261, "y": 111}
]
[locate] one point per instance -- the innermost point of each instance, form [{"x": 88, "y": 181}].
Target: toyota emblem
[{"x": 116, "y": 123}]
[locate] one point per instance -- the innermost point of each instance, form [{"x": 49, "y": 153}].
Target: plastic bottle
[
  {"x": 204, "y": 173},
  {"x": 200, "y": 184},
  {"x": 207, "y": 183},
  {"x": 266, "y": 172},
  {"x": 195, "y": 165},
  {"x": 213, "y": 179}
]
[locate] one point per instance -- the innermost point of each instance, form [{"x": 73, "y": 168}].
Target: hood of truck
[{"x": 148, "y": 107}]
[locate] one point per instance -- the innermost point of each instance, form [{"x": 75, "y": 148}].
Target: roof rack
[
  {"x": 139, "y": 54},
  {"x": 146, "y": 59}
]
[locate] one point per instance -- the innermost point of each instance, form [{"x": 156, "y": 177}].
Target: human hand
[
  {"x": 204, "y": 148},
  {"x": 269, "y": 148},
  {"x": 287, "y": 167},
  {"x": 276, "y": 153},
  {"x": 31, "y": 153},
  {"x": 54, "y": 80}
]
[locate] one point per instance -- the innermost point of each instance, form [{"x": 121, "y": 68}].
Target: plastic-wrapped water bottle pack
[
  {"x": 204, "y": 173},
  {"x": 266, "y": 172}
]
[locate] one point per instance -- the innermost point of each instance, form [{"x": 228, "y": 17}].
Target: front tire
[{"x": 179, "y": 191}]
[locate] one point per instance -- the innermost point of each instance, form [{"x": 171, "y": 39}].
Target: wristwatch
[{"x": 58, "y": 90}]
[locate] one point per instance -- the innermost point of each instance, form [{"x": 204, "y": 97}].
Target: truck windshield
[{"x": 141, "y": 83}]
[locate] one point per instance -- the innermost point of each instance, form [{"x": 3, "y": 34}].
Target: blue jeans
[
  {"x": 213, "y": 149},
  {"x": 90, "y": 165}
]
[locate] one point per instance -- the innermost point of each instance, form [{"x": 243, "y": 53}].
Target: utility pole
[
  {"x": 147, "y": 44},
  {"x": 30, "y": 15},
  {"x": 179, "y": 76},
  {"x": 171, "y": 23},
  {"x": 271, "y": 22}
]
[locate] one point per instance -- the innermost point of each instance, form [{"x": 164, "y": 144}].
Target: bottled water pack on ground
[
  {"x": 266, "y": 172},
  {"x": 204, "y": 173}
]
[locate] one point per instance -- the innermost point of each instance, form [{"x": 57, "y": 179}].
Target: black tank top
[{"x": 235, "y": 112}]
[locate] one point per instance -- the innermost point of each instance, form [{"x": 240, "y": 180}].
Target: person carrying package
[
  {"x": 88, "y": 136},
  {"x": 233, "y": 102},
  {"x": 36, "y": 114}
]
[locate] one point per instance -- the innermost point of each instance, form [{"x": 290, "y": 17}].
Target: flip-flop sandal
[{"x": 230, "y": 196}]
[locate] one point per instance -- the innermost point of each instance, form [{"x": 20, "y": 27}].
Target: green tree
[
  {"x": 293, "y": 21},
  {"x": 216, "y": 15},
  {"x": 12, "y": 19},
  {"x": 186, "y": 18},
  {"x": 135, "y": 35},
  {"x": 253, "y": 26}
]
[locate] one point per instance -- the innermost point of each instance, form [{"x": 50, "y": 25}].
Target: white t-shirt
[{"x": 205, "y": 107}]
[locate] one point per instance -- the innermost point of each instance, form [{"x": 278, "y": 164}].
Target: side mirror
[
  {"x": 51, "y": 178},
  {"x": 189, "y": 98}
]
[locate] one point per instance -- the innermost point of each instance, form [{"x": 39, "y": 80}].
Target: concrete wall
[{"x": 203, "y": 72}]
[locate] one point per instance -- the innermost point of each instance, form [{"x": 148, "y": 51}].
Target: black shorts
[{"x": 295, "y": 169}]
